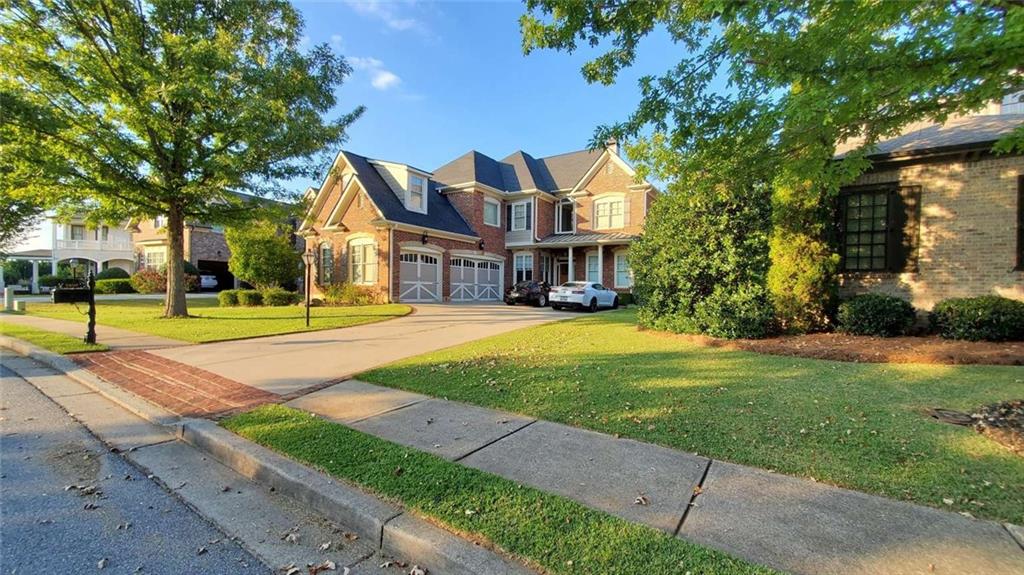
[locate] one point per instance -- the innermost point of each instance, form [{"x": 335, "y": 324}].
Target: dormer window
[{"x": 416, "y": 195}]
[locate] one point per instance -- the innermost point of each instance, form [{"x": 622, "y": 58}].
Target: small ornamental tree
[
  {"x": 263, "y": 255},
  {"x": 140, "y": 108}
]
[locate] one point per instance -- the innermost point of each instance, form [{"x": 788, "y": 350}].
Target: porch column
[
  {"x": 53, "y": 266},
  {"x": 35, "y": 276},
  {"x": 572, "y": 276},
  {"x": 2, "y": 284}
]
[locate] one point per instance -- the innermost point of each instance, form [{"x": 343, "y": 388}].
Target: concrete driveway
[{"x": 286, "y": 364}]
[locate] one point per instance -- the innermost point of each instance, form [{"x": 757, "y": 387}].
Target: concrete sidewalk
[
  {"x": 791, "y": 524},
  {"x": 116, "y": 338}
]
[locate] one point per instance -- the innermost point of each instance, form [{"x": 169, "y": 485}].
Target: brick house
[
  {"x": 475, "y": 225},
  {"x": 205, "y": 247},
  {"x": 938, "y": 215}
]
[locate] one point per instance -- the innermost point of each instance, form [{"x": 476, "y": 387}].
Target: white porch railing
[{"x": 95, "y": 245}]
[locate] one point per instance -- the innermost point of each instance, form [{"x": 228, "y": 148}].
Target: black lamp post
[{"x": 307, "y": 258}]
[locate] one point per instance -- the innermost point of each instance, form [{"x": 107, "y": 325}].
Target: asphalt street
[{"x": 70, "y": 505}]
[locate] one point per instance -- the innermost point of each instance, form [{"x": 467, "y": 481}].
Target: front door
[{"x": 562, "y": 275}]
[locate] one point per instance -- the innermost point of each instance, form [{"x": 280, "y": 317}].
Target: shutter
[
  {"x": 625, "y": 211},
  {"x": 904, "y": 228},
  {"x": 529, "y": 215},
  {"x": 508, "y": 217}
]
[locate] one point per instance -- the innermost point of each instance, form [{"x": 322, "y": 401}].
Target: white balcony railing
[{"x": 94, "y": 245}]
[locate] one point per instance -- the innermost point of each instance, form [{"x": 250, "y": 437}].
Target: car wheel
[
  {"x": 615, "y": 303},
  {"x": 541, "y": 301},
  {"x": 593, "y": 305}
]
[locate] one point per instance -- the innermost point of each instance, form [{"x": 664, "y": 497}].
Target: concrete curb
[
  {"x": 388, "y": 526},
  {"x": 125, "y": 399}
]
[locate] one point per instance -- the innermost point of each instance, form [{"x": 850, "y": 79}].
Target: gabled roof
[
  {"x": 441, "y": 214},
  {"x": 969, "y": 131},
  {"x": 519, "y": 171}
]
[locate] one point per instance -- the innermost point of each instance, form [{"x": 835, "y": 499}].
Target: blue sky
[{"x": 441, "y": 78}]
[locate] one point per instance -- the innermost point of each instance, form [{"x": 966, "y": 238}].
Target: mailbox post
[
  {"x": 81, "y": 291},
  {"x": 90, "y": 334}
]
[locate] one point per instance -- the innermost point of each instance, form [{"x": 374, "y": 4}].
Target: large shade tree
[
  {"x": 777, "y": 83},
  {"x": 138, "y": 108}
]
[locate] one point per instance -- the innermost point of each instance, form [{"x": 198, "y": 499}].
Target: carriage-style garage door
[
  {"x": 419, "y": 277},
  {"x": 475, "y": 280}
]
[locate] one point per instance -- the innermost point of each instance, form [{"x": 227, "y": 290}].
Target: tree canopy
[
  {"x": 162, "y": 107},
  {"x": 263, "y": 254}
]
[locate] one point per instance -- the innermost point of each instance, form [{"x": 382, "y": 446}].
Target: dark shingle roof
[
  {"x": 519, "y": 171},
  {"x": 441, "y": 214},
  {"x": 967, "y": 131}
]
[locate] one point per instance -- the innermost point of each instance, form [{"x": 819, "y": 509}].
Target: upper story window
[
  {"x": 492, "y": 212},
  {"x": 416, "y": 196},
  {"x": 565, "y": 217},
  {"x": 159, "y": 222},
  {"x": 77, "y": 232},
  {"x": 609, "y": 213},
  {"x": 519, "y": 217},
  {"x": 362, "y": 261},
  {"x": 104, "y": 233}
]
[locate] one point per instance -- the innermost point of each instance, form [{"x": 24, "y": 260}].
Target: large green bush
[
  {"x": 262, "y": 254},
  {"x": 876, "y": 314},
  {"x": 250, "y": 297},
  {"x": 989, "y": 317},
  {"x": 348, "y": 294},
  {"x": 49, "y": 280},
  {"x": 701, "y": 262},
  {"x": 113, "y": 273},
  {"x": 279, "y": 297},
  {"x": 227, "y": 298},
  {"x": 115, "y": 285},
  {"x": 149, "y": 280}
]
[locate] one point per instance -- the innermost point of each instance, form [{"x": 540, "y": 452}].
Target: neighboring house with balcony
[
  {"x": 98, "y": 247},
  {"x": 475, "y": 225}
]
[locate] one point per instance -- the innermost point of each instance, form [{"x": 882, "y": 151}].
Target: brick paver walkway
[{"x": 185, "y": 390}]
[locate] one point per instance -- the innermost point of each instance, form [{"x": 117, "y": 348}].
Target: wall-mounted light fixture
[{"x": 423, "y": 239}]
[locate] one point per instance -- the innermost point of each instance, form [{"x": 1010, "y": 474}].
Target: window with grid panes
[{"x": 865, "y": 230}]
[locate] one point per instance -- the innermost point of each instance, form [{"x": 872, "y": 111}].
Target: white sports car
[{"x": 583, "y": 295}]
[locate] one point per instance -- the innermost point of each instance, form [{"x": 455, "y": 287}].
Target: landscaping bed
[
  {"x": 554, "y": 533},
  {"x": 209, "y": 322},
  {"x": 868, "y": 349},
  {"x": 862, "y": 426}
]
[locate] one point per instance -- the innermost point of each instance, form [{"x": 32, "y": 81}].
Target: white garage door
[
  {"x": 419, "y": 277},
  {"x": 475, "y": 280}
]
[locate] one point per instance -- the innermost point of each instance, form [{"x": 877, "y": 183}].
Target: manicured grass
[
  {"x": 53, "y": 341},
  {"x": 555, "y": 533},
  {"x": 213, "y": 323},
  {"x": 860, "y": 426}
]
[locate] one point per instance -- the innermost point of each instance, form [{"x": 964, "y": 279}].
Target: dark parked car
[{"x": 531, "y": 292}]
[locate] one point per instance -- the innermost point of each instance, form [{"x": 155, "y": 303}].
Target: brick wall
[
  {"x": 205, "y": 244},
  {"x": 545, "y": 225},
  {"x": 967, "y": 234},
  {"x": 471, "y": 205}
]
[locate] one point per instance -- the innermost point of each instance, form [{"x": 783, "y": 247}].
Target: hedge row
[
  {"x": 119, "y": 285},
  {"x": 985, "y": 318},
  {"x": 249, "y": 297}
]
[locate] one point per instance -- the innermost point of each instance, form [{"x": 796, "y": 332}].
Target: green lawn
[
  {"x": 558, "y": 534},
  {"x": 856, "y": 425},
  {"x": 213, "y": 323},
  {"x": 57, "y": 342}
]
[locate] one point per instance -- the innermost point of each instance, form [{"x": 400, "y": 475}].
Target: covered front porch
[{"x": 596, "y": 257}]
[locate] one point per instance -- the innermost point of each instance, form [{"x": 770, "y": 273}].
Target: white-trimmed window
[
  {"x": 565, "y": 216},
  {"x": 593, "y": 268},
  {"x": 623, "y": 274},
  {"x": 159, "y": 222},
  {"x": 524, "y": 267},
  {"x": 416, "y": 196},
  {"x": 326, "y": 272},
  {"x": 609, "y": 213},
  {"x": 492, "y": 212},
  {"x": 155, "y": 257},
  {"x": 362, "y": 261},
  {"x": 520, "y": 216}
]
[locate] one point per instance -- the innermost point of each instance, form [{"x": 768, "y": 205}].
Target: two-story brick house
[{"x": 475, "y": 225}]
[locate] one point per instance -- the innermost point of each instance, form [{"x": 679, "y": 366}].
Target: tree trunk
[{"x": 174, "y": 302}]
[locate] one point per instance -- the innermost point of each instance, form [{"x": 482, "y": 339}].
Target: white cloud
[
  {"x": 386, "y": 12},
  {"x": 380, "y": 77},
  {"x": 384, "y": 80},
  {"x": 360, "y": 63},
  {"x": 337, "y": 42}
]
